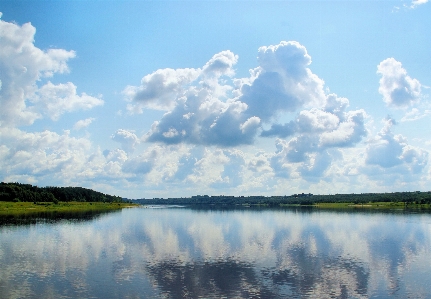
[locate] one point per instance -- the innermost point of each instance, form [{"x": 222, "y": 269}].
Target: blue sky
[{"x": 177, "y": 98}]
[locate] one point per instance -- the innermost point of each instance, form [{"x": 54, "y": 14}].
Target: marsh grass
[
  {"x": 372, "y": 205},
  {"x": 16, "y": 208}
]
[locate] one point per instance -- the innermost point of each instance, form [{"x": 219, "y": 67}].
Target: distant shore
[
  {"x": 11, "y": 208},
  {"x": 374, "y": 205},
  {"x": 416, "y": 199}
]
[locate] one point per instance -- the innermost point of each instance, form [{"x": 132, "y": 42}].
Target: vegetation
[
  {"x": 397, "y": 199},
  {"x": 20, "y": 199},
  {"x": 19, "y": 213},
  {"x": 32, "y": 198},
  {"x": 8, "y": 208},
  {"x": 17, "y": 192}
]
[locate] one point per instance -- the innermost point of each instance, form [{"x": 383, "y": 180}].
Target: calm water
[{"x": 248, "y": 253}]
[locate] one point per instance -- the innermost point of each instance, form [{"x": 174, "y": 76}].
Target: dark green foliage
[
  {"x": 416, "y": 197},
  {"x": 29, "y": 193}
]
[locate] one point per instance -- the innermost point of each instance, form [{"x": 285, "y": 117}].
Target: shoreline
[
  {"x": 17, "y": 208},
  {"x": 8, "y": 208}
]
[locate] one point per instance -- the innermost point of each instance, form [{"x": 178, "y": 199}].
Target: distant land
[
  {"x": 28, "y": 193},
  {"x": 407, "y": 198},
  {"x": 18, "y": 192}
]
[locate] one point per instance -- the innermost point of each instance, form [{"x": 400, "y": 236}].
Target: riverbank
[
  {"x": 372, "y": 205},
  {"x": 9, "y": 208}
]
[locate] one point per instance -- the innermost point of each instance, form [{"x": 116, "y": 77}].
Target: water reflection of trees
[
  {"x": 208, "y": 280},
  {"x": 50, "y": 217},
  {"x": 277, "y": 255},
  {"x": 324, "y": 278}
]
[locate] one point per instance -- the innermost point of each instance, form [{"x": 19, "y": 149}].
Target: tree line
[
  {"x": 415, "y": 197},
  {"x": 30, "y": 193},
  {"x": 27, "y": 192}
]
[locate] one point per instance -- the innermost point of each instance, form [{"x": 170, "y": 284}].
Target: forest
[
  {"x": 416, "y": 197},
  {"x": 28, "y": 193}
]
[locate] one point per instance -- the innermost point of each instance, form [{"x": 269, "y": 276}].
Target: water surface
[{"x": 240, "y": 253}]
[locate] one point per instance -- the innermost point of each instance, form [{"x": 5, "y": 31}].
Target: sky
[{"x": 148, "y": 99}]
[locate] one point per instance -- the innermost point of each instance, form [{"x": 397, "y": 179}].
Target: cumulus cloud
[
  {"x": 281, "y": 167},
  {"x": 398, "y": 89},
  {"x": 41, "y": 154},
  {"x": 281, "y": 131},
  {"x": 54, "y": 100},
  {"x": 391, "y": 153},
  {"x": 250, "y": 125},
  {"x": 83, "y": 123},
  {"x": 139, "y": 165},
  {"x": 315, "y": 167},
  {"x": 185, "y": 165},
  {"x": 313, "y": 134},
  {"x": 160, "y": 89},
  {"x": 221, "y": 64},
  {"x": 329, "y": 127},
  {"x": 49, "y": 158},
  {"x": 316, "y": 121},
  {"x": 127, "y": 139},
  {"x": 207, "y": 111},
  {"x": 204, "y": 109},
  {"x": 200, "y": 118},
  {"x": 336, "y": 105},
  {"x": 283, "y": 82},
  {"x": 218, "y": 169},
  {"x": 22, "y": 66},
  {"x": 348, "y": 133},
  {"x": 231, "y": 176}
]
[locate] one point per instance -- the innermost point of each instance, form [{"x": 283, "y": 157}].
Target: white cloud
[
  {"x": 314, "y": 135},
  {"x": 204, "y": 113},
  {"x": 232, "y": 174},
  {"x": 314, "y": 169},
  {"x": 83, "y": 123},
  {"x": 208, "y": 168},
  {"x": 412, "y": 5},
  {"x": 201, "y": 118},
  {"x": 415, "y": 114},
  {"x": 386, "y": 150},
  {"x": 416, "y": 3},
  {"x": 391, "y": 155},
  {"x": 250, "y": 125},
  {"x": 160, "y": 89},
  {"x": 164, "y": 88},
  {"x": 316, "y": 120},
  {"x": 127, "y": 139},
  {"x": 280, "y": 165},
  {"x": 398, "y": 89},
  {"x": 349, "y": 132},
  {"x": 139, "y": 165},
  {"x": 49, "y": 158},
  {"x": 283, "y": 82},
  {"x": 286, "y": 57},
  {"x": 42, "y": 154},
  {"x": 221, "y": 64},
  {"x": 22, "y": 65},
  {"x": 54, "y": 100},
  {"x": 336, "y": 105}
]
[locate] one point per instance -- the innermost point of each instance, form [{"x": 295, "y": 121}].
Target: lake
[{"x": 219, "y": 253}]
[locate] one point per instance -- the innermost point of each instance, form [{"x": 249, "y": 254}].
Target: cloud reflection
[{"x": 184, "y": 253}]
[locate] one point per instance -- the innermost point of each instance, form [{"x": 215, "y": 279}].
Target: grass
[
  {"x": 372, "y": 205},
  {"x": 15, "y": 208}
]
